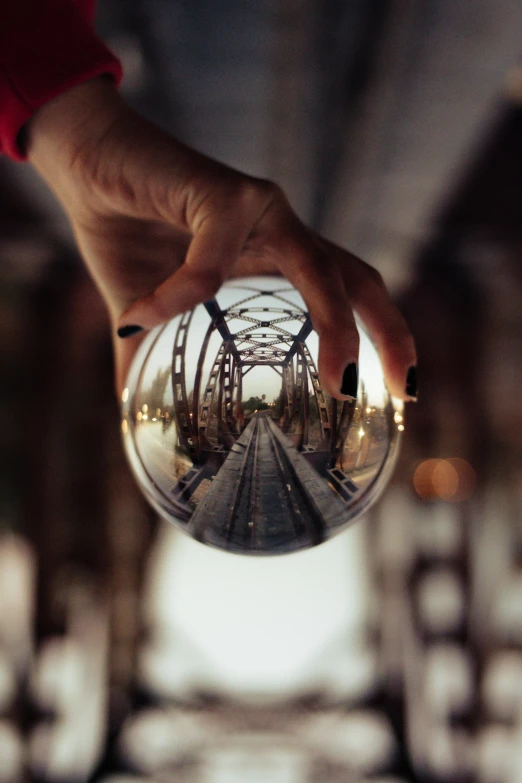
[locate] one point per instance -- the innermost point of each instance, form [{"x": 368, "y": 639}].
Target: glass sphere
[{"x": 232, "y": 437}]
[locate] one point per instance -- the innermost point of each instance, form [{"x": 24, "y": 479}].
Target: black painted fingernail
[
  {"x": 127, "y": 331},
  {"x": 411, "y": 382},
  {"x": 349, "y": 385}
]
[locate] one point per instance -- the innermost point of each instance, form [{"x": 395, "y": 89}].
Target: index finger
[{"x": 382, "y": 319}]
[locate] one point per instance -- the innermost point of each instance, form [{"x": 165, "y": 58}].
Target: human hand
[{"x": 161, "y": 227}]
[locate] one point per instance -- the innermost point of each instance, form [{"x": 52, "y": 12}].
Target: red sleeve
[{"x": 46, "y": 46}]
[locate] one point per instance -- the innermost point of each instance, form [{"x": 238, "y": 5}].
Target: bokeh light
[{"x": 452, "y": 479}]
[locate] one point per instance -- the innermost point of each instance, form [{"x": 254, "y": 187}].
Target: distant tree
[
  {"x": 313, "y": 408},
  {"x": 278, "y": 405},
  {"x": 254, "y": 404},
  {"x": 157, "y": 389}
]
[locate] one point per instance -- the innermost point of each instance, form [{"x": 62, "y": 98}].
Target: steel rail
[
  {"x": 295, "y": 491},
  {"x": 245, "y": 477}
]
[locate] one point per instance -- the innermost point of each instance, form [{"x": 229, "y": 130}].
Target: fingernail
[
  {"x": 411, "y": 383},
  {"x": 349, "y": 384},
  {"x": 127, "y": 331}
]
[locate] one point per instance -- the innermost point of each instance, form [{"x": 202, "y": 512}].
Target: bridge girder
[
  {"x": 264, "y": 342},
  {"x": 182, "y": 411}
]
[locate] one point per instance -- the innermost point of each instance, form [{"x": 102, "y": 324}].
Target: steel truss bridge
[{"x": 264, "y": 340}]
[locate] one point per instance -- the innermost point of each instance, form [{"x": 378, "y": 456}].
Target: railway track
[{"x": 258, "y": 501}]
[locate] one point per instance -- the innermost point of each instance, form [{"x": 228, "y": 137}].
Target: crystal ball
[{"x": 232, "y": 437}]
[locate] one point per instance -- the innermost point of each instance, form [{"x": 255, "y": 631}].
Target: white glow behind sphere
[{"x": 231, "y": 436}]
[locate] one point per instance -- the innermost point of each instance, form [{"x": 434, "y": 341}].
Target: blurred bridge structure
[{"x": 369, "y": 114}]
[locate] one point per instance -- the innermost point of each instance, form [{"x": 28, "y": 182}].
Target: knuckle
[
  {"x": 367, "y": 285},
  {"x": 268, "y": 189},
  {"x": 335, "y": 317},
  {"x": 341, "y": 341},
  {"x": 254, "y": 194}
]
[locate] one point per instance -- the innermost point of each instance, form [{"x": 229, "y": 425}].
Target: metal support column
[{"x": 179, "y": 389}]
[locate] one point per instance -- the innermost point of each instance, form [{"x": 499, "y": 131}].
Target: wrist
[{"x": 70, "y": 124}]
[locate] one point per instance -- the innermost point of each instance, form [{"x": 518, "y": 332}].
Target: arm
[
  {"x": 46, "y": 47},
  {"x": 160, "y": 226}
]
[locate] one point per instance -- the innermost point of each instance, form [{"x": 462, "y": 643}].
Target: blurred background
[{"x": 392, "y": 654}]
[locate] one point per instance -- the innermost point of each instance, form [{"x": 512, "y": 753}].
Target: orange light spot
[
  {"x": 423, "y": 479},
  {"x": 445, "y": 480},
  {"x": 467, "y": 478},
  {"x": 451, "y": 479}
]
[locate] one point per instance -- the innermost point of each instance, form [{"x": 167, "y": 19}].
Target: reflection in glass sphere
[{"x": 232, "y": 437}]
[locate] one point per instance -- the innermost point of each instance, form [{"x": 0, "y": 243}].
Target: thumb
[{"x": 210, "y": 258}]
